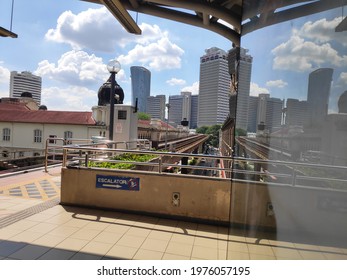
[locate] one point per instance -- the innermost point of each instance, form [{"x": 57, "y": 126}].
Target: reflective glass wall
[{"x": 289, "y": 185}]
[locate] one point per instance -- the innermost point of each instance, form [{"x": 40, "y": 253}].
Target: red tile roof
[{"x": 49, "y": 117}]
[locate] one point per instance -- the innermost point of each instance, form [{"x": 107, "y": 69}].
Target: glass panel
[{"x": 289, "y": 189}]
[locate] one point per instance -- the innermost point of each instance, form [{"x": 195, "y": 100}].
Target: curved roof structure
[{"x": 229, "y": 18}]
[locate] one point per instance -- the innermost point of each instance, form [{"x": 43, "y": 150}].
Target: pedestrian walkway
[{"x": 41, "y": 228}]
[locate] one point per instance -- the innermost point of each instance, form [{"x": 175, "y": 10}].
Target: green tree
[
  {"x": 213, "y": 131},
  {"x": 143, "y": 116},
  {"x": 240, "y": 132}
]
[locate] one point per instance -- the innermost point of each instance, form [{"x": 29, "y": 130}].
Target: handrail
[{"x": 293, "y": 174}]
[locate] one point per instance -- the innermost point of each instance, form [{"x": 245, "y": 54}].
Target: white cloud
[
  {"x": 343, "y": 78},
  {"x": 98, "y": 30},
  {"x": 94, "y": 29},
  {"x": 276, "y": 83},
  {"x": 72, "y": 98},
  {"x": 176, "y": 82},
  {"x": 4, "y": 81},
  {"x": 194, "y": 88},
  {"x": 75, "y": 68},
  {"x": 255, "y": 89},
  {"x": 322, "y": 31},
  {"x": 160, "y": 55},
  {"x": 315, "y": 44},
  {"x": 299, "y": 55}
]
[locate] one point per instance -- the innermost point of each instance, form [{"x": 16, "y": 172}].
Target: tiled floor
[{"x": 78, "y": 233}]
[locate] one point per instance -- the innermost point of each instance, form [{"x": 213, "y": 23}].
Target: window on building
[
  {"x": 21, "y": 154},
  {"x": 6, "y": 134},
  {"x": 37, "y": 136},
  {"x": 5, "y": 154},
  {"x": 52, "y": 141},
  {"x": 68, "y": 137},
  {"x": 122, "y": 115}
]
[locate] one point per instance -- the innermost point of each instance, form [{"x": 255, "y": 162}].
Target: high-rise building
[
  {"x": 156, "y": 106},
  {"x": 252, "y": 113},
  {"x": 241, "y": 62},
  {"x": 269, "y": 112},
  {"x": 140, "y": 86},
  {"x": 296, "y": 112},
  {"x": 25, "y": 82},
  {"x": 214, "y": 88},
  {"x": 176, "y": 108},
  {"x": 194, "y": 111},
  {"x": 319, "y": 84}
]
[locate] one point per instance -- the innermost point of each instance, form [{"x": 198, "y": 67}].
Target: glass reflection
[{"x": 289, "y": 101}]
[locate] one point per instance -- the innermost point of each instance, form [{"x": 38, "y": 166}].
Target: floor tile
[
  {"x": 85, "y": 256},
  {"x": 222, "y": 254},
  {"x": 64, "y": 230},
  {"x": 26, "y": 236},
  {"x": 72, "y": 244},
  {"x": 160, "y": 235},
  {"x": 205, "y": 253},
  {"x": 96, "y": 248},
  {"x": 168, "y": 256},
  {"x": 183, "y": 238},
  {"x": 206, "y": 242},
  {"x": 138, "y": 232},
  {"x": 231, "y": 255},
  {"x": 57, "y": 254},
  {"x": 260, "y": 249},
  {"x": 261, "y": 257},
  {"x": 22, "y": 225},
  {"x": 42, "y": 228},
  {"x": 286, "y": 253},
  {"x": 85, "y": 234},
  {"x": 155, "y": 245},
  {"x": 121, "y": 252},
  {"x": 176, "y": 248},
  {"x": 116, "y": 228},
  {"x": 131, "y": 241},
  {"x": 143, "y": 254},
  {"x": 49, "y": 240},
  {"x": 311, "y": 255},
  {"x": 9, "y": 247},
  {"x": 6, "y": 233},
  {"x": 30, "y": 252},
  {"x": 108, "y": 237},
  {"x": 238, "y": 247}
]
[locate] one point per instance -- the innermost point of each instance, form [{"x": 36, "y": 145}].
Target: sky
[{"x": 69, "y": 43}]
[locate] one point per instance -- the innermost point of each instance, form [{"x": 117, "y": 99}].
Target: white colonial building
[{"x": 24, "y": 128}]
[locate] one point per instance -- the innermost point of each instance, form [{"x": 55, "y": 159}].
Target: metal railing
[
  {"x": 161, "y": 161},
  {"x": 54, "y": 147},
  {"x": 279, "y": 173}
]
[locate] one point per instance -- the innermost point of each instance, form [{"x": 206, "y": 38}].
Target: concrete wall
[{"x": 199, "y": 199}]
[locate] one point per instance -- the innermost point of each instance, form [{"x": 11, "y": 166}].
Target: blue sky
[{"x": 69, "y": 43}]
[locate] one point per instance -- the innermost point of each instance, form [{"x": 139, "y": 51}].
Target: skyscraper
[
  {"x": 214, "y": 88},
  {"x": 180, "y": 107},
  {"x": 194, "y": 111},
  {"x": 296, "y": 112},
  {"x": 176, "y": 108},
  {"x": 140, "y": 86},
  {"x": 25, "y": 82},
  {"x": 252, "y": 113},
  {"x": 241, "y": 62},
  {"x": 156, "y": 106},
  {"x": 318, "y": 92},
  {"x": 269, "y": 111}
]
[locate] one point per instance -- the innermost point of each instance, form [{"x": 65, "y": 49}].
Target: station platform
[{"x": 33, "y": 225}]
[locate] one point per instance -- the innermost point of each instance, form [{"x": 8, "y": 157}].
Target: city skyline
[{"x": 73, "y": 64}]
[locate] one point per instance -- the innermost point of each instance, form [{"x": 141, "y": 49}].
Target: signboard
[{"x": 117, "y": 183}]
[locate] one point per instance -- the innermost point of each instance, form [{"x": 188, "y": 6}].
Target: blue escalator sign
[{"x": 118, "y": 183}]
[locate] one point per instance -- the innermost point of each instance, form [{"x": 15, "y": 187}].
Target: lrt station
[{"x": 120, "y": 188}]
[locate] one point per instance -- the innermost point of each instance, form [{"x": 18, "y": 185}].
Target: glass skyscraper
[{"x": 140, "y": 86}]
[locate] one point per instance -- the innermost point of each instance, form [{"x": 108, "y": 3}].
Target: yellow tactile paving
[{"x": 43, "y": 188}]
